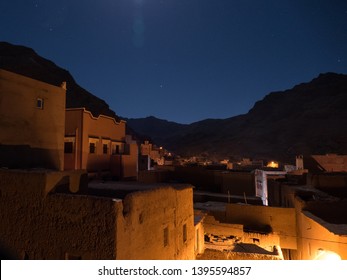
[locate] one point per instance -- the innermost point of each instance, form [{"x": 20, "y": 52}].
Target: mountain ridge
[{"x": 307, "y": 119}]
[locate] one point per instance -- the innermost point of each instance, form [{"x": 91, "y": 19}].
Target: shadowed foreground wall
[
  {"x": 47, "y": 215},
  {"x": 37, "y": 225}
]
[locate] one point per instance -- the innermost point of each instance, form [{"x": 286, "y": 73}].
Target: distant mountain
[
  {"x": 310, "y": 118},
  {"x": 156, "y": 129},
  {"x": 27, "y": 62}
]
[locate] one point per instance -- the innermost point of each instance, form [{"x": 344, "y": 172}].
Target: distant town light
[{"x": 272, "y": 164}]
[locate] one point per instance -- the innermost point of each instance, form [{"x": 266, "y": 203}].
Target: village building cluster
[{"x": 75, "y": 186}]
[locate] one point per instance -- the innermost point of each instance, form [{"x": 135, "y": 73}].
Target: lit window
[
  {"x": 39, "y": 103},
  {"x": 272, "y": 164}
]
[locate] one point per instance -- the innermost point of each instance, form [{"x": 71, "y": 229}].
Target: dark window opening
[
  {"x": 105, "y": 148},
  {"x": 92, "y": 148},
  {"x": 68, "y": 147},
  {"x": 115, "y": 150},
  {"x": 39, "y": 103}
]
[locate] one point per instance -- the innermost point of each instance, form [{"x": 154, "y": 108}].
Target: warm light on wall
[
  {"x": 327, "y": 255},
  {"x": 272, "y": 164}
]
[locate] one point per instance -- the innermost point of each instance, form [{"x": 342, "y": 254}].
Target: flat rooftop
[
  {"x": 336, "y": 228},
  {"x": 203, "y": 196},
  {"x": 117, "y": 189}
]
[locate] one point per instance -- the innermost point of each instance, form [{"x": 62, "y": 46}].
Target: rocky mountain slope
[{"x": 308, "y": 119}]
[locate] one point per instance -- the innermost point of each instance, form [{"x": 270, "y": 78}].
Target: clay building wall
[
  {"x": 49, "y": 215},
  {"x": 98, "y": 145},
  {"x": 39, "y": 224},
  {"x": 199, "y": 243},
  {"x": 238, "y": 183},
  {"x": 32, "y": 119},
  {"x": 157, "y": 225},
  {"x": 319, "y": 239},
  {"x": 234, "y": 183},
  {"x": 97, "y": 130},
  {"x": 199, "y": 177},
  {"x": 281, "y": 220},
  {"x": 331, "y": 162},
  {"x": 130, "y": 162}
]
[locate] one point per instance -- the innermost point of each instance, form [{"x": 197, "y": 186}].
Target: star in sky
[{"x": 219, "y": 57}]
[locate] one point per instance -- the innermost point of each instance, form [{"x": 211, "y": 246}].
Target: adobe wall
[
  {"x": 129, "y": 162},
  {"x": 73, "y": 128},
  {"x": 211, "y": 254},
  {"x": 238, "y": 183},
  {"x": 37, "y": 225},
  {"x": 213, "y": 226},
  {"x": 83, "y": 226},
  {"x": 199, "y": 177},
  {"x": 332, "y": 162},
  {"x": 274, "y": 193},
  {"x": 104, "y": 126},
  {"x": 199, "y": 245},
  {"x": 31, "y": 136},
  {"x": 235, "y": 233},
  {"x": 313, "y": 236},
  {"x": 84, "y": 125},
  {"x": 147, "y": 215},
  {"x": 328, "y": 180},
  {"x": 153, "y": 176},
  {"x": 281, "y": 220}
]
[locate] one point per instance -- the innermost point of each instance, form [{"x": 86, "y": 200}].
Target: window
[
  {"x": 166, "y": 237},
  {"x": 92, "y": 148},
  {"x": 115, "y": 149},
  {"x": 105, "y": 148},
  {"x": 184, "y": 233},
  {"x": 94, "y": 144},
  {"x": 68, "y": 147},
  {"x": 39, "y": 103}
]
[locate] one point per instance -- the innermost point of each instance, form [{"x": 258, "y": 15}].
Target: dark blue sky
[{"x": 183, "y": 60}]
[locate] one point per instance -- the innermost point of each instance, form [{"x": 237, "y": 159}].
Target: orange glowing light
[
  {"x": 272, "y": 164},
  {"x": 327, "y": 255}
]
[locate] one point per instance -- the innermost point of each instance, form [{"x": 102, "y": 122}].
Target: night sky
[{"x": 183, "y": 60}]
